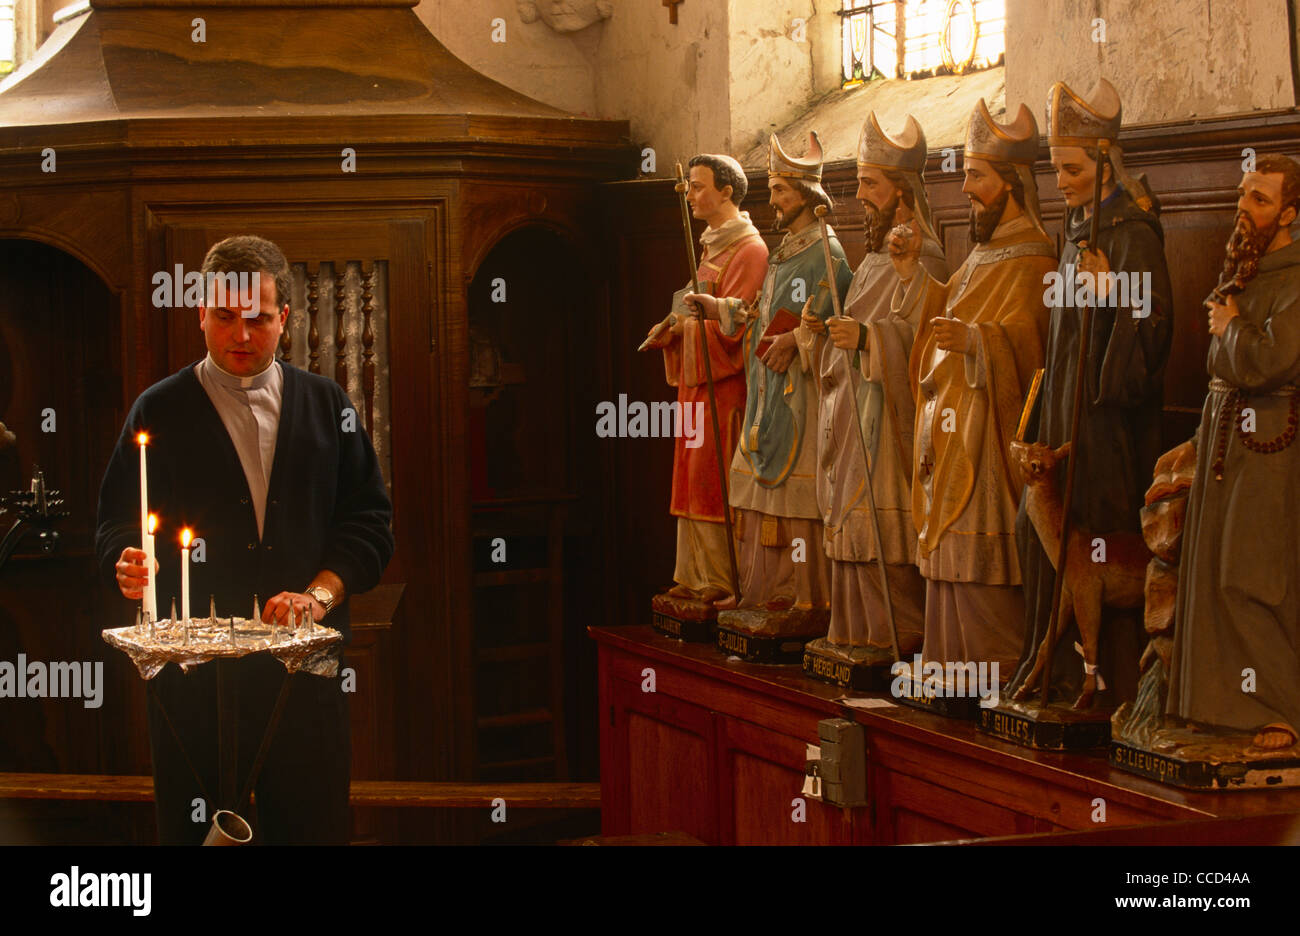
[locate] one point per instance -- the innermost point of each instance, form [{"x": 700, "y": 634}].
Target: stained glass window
[
  {"x": 920, "y": 38},
  {"x": 8, "y": 36}
]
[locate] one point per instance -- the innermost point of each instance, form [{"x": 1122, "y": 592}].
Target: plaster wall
[
  {"x": 670, "y": 81},
  {"x": 783, "y": 54},
  {"x": 552, "y": 67},
  {"x": 1171, "y": 60}
]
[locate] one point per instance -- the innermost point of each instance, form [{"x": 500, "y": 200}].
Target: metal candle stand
[{"x": 307, "y": 648}]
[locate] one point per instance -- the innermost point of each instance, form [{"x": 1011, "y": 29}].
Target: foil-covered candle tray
[{"x": 309, "y": 648}]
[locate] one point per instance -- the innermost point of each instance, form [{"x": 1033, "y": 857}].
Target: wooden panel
[
  {"x": 761, "y": 775},
  {"x": 929, "y": 778},
  {"x": 669, "y": 801},
  {"x": 909, "y": 810}
]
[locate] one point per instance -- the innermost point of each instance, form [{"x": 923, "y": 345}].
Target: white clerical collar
[{"x": 226, "y": 379}]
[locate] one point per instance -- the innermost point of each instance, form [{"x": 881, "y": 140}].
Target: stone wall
[{"x": 1170, "y": 60}]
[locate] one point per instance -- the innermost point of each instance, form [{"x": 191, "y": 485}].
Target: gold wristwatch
[{"x": 323, "y": 595}]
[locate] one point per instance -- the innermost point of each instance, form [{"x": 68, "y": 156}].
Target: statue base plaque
[
  {"x": 1202, "y": 773},
  {"x": 759, "y": 636},
  {"x": 688, "y": 619},
  {"x": 1199, "y": 758},
  {"x": 1058, "y": 727},
  {"x": 931, "y": 695},
  {"x": 863, "y": 668}
]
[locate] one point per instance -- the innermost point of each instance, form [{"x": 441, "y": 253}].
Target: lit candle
[
  {"x": 150, "y": 590},
  {"x": 142, "y": 439},
  {"x": 186, "y": 536}
]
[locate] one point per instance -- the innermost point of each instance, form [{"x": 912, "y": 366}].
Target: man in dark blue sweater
[{"x": 265, "y": 463}]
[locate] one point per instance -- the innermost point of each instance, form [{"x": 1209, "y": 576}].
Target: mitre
[
  {"x": 1090, "y": 121},
  {"x": 907, "y": 155},
  {"x": 782, "y": 165},
  {"x": 1015, "y": 142},
  {"x": 876, "y": 148},
  {"x": 1076, "y": 121}
]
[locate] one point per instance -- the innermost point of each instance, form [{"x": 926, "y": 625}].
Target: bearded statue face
[
  {"x": 1259, "y": 217},
  {"x": 880, "y": 200},
  {"x": 988, "y": 193},
  {"x": 787, "y": 203}
]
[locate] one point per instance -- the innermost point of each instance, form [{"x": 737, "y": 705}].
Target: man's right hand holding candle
[{"x": 132, "y": 576}]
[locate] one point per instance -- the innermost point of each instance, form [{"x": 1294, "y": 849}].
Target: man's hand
[
  {"x": 279, "y": 608},
  {"x": 951, "y": 334},
  {"x": 904, "y": 242},
  {"x": 1221, "y": 315},
  {"x": 1096, "y": 263},
  {"x": 678, "y": 326},
  {"x": 845, "y": 332},
  {"x": 697, "y": 301},
  {"x": 132, "y": 576},
  {"x": 781, "y": 354}
]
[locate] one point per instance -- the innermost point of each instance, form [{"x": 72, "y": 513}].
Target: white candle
[
  {"x": 185, "y": 577},
  {"x": 150, "y": 552},
  {"x": 142, "y": 439}
]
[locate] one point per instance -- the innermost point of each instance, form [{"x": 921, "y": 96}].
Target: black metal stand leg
[
  {"x": 227, "y": 732},
  {"x": 272, "y": 724},
  {"x": 153, "y": 692}
]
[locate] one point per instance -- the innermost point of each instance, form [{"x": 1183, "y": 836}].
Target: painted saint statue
[
  {"x": 866, "y": 353},
  {"x": 784, "y": 579},
  {"x": 981, "y": 339},
  {"x": 1236, "y": 653},
  {"x": 1124, "y": 279},
  {"x": 732, "y": 264}
]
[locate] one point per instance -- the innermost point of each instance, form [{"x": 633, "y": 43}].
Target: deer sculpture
[{"x": 1116, "y": 581}]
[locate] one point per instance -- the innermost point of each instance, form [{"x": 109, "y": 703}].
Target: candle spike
[
  {"x": 149, "y": 615},
  {"x": 257, "y": 612},
  {"x": 212, "y": 610},
  {"x": 173, "y": 617},
  {"x": 139, "y": 618}
]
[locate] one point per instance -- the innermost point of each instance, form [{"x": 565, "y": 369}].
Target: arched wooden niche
[
  {"x": 61, "y": 395},
  {"x": 60, "y": 378},
  {"x": 535, "y": 491}
]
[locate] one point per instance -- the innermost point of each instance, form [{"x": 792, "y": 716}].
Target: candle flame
[
  {"x": 153, "y": 522},
  {"x": 186, "y": 535},
  {"x": 142, "y": 438}
]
